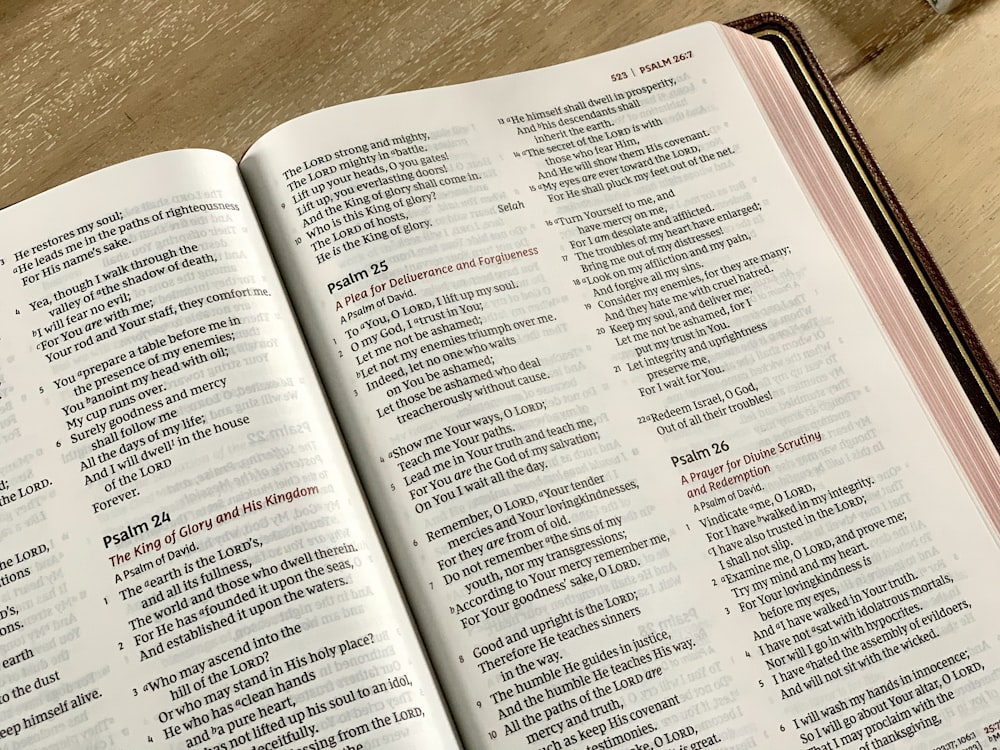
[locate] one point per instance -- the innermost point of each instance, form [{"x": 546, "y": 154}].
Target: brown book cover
[{"x": 952, "y": 330}]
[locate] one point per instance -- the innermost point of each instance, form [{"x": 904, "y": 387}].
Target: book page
[
  {"x": 646, "y": 459},
  {"x": 185, "y": 560}
]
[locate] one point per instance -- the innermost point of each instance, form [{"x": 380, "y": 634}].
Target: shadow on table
[{"x": 887, "y": 35}]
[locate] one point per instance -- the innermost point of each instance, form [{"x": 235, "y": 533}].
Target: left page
[{"x": 185, "y": 557}]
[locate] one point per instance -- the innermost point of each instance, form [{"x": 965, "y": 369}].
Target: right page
[{"x": 655, "y": 466}]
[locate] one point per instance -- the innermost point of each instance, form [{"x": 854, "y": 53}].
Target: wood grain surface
[{"x": 87, "y": 83}]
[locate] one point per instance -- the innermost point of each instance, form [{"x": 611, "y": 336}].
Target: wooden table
[{"x": 86, "y": 83}]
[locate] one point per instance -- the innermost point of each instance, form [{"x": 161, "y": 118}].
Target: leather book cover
[{"x": 937, "y": 303}]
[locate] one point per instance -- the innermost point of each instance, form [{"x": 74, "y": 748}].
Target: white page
[
  {"x": 185, "y": 558},
  {"x": 645, "y": 460}
]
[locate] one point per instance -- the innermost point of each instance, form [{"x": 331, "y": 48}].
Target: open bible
[{"x": 609, "y": 405}]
